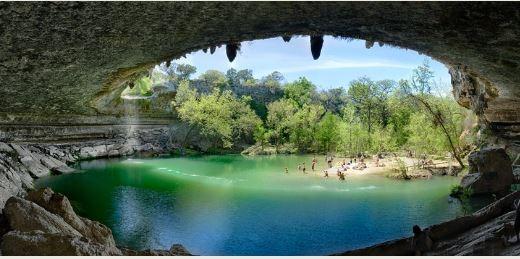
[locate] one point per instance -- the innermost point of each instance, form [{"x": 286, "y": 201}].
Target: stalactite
[
  {"x": 369, "y": 44},
  {"x": 316, "y": 45},
  {"x": 231, "y": 50}
]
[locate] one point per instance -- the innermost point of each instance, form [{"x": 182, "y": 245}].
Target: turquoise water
[{"x": 236, "y": 205}]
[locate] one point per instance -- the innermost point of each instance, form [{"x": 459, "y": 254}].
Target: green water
[{"x": 236, "y": 205}]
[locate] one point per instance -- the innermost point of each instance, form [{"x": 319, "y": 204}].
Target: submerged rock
[
  {"x": 489, "y": 172},
  {"x": 175, "y": 250}
]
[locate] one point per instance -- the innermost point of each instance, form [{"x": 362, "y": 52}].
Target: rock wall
[
  {"x": 27, "y": 156},
  {"x": 490, "y": 171}
]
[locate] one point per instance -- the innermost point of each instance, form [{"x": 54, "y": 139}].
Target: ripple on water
[{"x": 370, "y": 187}]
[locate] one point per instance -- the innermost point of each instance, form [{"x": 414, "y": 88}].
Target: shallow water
[{"x": 236, "y": 205}]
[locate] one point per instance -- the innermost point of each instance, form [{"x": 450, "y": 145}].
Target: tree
[
  {"x": 439, "y": 119},
  {"x": 278, "y": 119},
  {"x": 218, "y": 116},
  {"x": 174, "y": 73},
  {"x": 184, "y": 93},
  {"x": 214, "y": 79},
  {"x": 303, "y": 126},
  {"x": 334, "y": 99},
  {"x": 185, "y": 71},
  {"x": 327, "y": 134},
  {"x": 422, "y": 78},
  {"x": 239, "y": 78},
  {"x": 301, "y": 91},
  {"x": 272, "y": 81}
]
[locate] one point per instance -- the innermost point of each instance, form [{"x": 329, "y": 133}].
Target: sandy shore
[{"x": 390, "y": 163}]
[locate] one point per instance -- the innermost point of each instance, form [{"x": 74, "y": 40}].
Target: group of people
[{"x": 341, "y": 166}]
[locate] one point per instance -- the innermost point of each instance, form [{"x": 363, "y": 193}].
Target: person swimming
[{"x": 341, "y": 176}]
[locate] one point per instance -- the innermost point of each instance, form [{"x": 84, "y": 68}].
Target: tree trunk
[{"x": 439, "y": 120}]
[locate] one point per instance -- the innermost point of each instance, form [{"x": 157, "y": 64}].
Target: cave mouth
[
  {"x": 237, "y": 204},
  {"x": 65, "y": 77}
]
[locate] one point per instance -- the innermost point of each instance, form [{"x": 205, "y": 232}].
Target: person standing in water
[
  {"x": 286, "y": 170},
  {"x": 314, "y": 161},
  {"x": 329, "y": 161},
  {"x": 303, "y": 168}
]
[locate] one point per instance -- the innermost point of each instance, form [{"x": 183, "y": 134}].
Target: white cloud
[{"x": 336, "y": 64}]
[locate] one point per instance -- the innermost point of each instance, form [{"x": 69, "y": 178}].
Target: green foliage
[
  {"x": 371, "y": 116},
  {"x": 422, "y": 78},
  {"x": 241, "y": 77},
  {"x": 300, "y": 91},
  {"x": 303, "y": 126},
  {"x": 327, "y": 133},
  {"x": 215, "y": 79},
  {"x": 218, "y": 116},
  {"x": 464, "y": 195},
  {"x": 184, "y": 93},
  {"x": 273, "y": 80},
  {"x": 174, "y": 73},
  {"x": 279, "y": 119},
  {"x": 142, "y": 87},
  {"x": 334, "y": 99}
]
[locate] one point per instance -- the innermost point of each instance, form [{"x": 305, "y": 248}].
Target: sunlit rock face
[{"x": 65, "y": 58}]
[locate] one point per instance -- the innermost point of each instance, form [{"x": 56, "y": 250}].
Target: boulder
[
  {"x": 54, "y": 151},
  {"x": 489, "y": 172},
  {"x": 93, "y": 151},
  {"x": 55, "y": 165},
  {"x": 24, "y": 215},
  {"x": 30, "y": 162},
  {"x": 59, "y": 205},
  {"x": 4, "y": 148},
  {"x": 55, "y": 244}
]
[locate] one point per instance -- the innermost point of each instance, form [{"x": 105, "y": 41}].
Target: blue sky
[{"x": 341, "y": 61}]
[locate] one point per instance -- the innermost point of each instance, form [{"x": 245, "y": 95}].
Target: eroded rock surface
[{"x": 490, "y": 171}]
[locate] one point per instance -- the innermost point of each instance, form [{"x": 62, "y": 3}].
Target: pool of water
[{"x": 236, "y": 205}]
